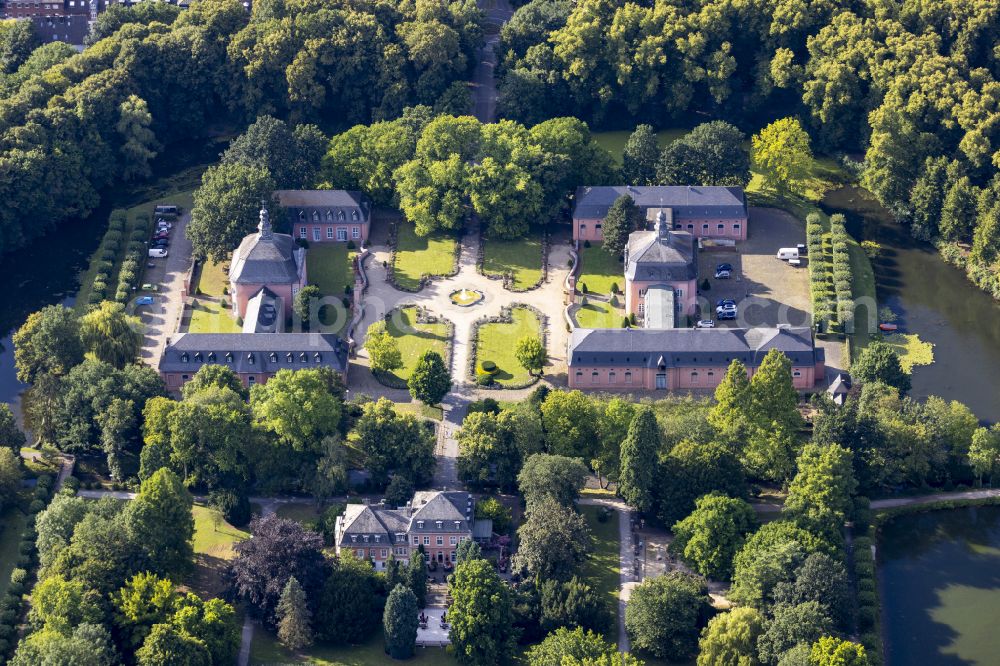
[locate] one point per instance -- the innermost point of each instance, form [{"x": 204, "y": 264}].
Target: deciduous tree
[
  {"x": 665, "y": 614},
  {"x": 710, "y": 537},
  {"x": 531, "y": 354},
  {"x": 639, "y": 157},
  {"x": 730, "y": 639},
  {"x": 878, "y": 362},
  {"x": 47, "y": 342},
  {"x": 111, "y": 335},
  {"x": 383, "y": 350},
  {"x": 159, "y": 520},
  {"x": 430, "y": 380},
  {"x": 554, "y": 540},
  {"x": 482, "y": 631},
  {"x": 782, "y": 149},
  {"x": 547, "y": 476}
]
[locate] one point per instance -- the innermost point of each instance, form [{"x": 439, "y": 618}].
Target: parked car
[
  {"x": 157, "y": 252},
  {"x": 705, "y": 323},
  {"x": 722, "y": 275},
  {"x": 786, "y": 253},
  {"x": 144, "y": 300},
  {"x": 167, "y": 209},
  {"x": 724, "y": 267},
  {"x": 161, "y": 235},
  {"x": 725, "y": 313},
  {"x": 149, "y": 286},
  {"x": 726, "y": 302},
  {"x": 163, "y": 224},
  {"x": 160, "y": 242}
]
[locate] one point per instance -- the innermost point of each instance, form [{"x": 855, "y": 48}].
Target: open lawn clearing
[
  {"x": 12, "y": 523},
  {"x": 212, "y": 278},
  {"x": 213, "y": 547},
  {"x": 614, "y": 141},
  {"x": 521, "y": 259},
  {"x": 599, "y": 270},
  {"x": 414, "y": 339},
  {"x": 329, "y": 267},
  {"x": 435, "y": 413},
  {"x": 599, "y": 314},
  {"x": 267, "y": 650},
  {"x": 422, "y": 255},
  {"x": 301, "y": 512},
  {"x": 209, "y": 316},
  {"x": 496, "y": 342},
  {"x": 602, "y": 569}
]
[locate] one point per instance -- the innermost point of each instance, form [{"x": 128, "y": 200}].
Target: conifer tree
[
  {"x": 294, "y": 630},
  {"x": 638, "y": 460}
]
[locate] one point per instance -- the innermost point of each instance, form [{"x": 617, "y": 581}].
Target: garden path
[{"x": 625, "y": 559}]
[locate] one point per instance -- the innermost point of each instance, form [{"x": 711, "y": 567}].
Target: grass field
[
  {"x": 12, "y": 523},
  {"x": 496, "y": 343},
  {"x": 213, "y": 547},
  {"x": 210, "y": 317},
  {"x": 302, "y": 512},
  {"x": 433, "y": 412},
  {"x": 329, "y": 267},
  {"x": 614, "y": 142},
  {"x": 602, "y": 569},
  {"x": 863, "y": 288},
  {"x": 598, "y": 314},
  {"x": 522, "y": 259},
  {"x": 599, "y": 270},
  {"x": 417, "y": 256},
  {"x": 414, "y": 339},
  {"x": 212, "y": 278},
  {"x": 266, "y": 650}
]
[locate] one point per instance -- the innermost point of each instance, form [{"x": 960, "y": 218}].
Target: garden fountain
[{"x": 465, "y": 297}]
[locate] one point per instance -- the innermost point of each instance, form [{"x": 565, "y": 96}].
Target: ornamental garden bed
[
  {"x": 418, "y": 259},
  {"x": 416, "y": 330},
  {"x": 494, "y": 340}
]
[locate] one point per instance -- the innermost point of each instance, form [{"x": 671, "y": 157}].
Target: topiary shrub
[
  {"x": 583, "y": 287},
  {"x": 234, "y": 506},
  {"x": 351, "y": 245},
  {"x": 866, "y": 618},
  {"x": 614, "y": 288},
  {"x": 586, "y": 243}
]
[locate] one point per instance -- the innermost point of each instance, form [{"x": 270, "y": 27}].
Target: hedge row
[
  {"x": 131, "y": 270},
  {"x": 107, "y": 255},
  {"x": 820, "y": 275},
  {"x": 842, "y": 276},
  {"x": 12, "y": 605}
]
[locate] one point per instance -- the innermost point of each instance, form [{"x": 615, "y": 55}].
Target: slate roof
[
  {"x": 687, "y": 201},
  {"x": 335, "y": 201},
  {"x": 260, "y": 260},
  {"x": 428, "y": 507},
  {"x": 655, "y": 255},
  {"x": 362, "y": 520},
  {"x": 689, "y": 347},
  {"x": 254, "y": 352}
]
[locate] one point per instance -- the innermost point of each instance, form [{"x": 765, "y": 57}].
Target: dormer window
[
  {"x": 211, "y": 357},
  {"x": 289, "y": 357},
  {"x": 355, "y": 216},
  {"x": 420, "y": 524},
  {"x": 273, "y": 357},
  {"x": 439, "y": 523},
  {"x": 458, "y": 524},
  {"x": 229, "y": 357},
  {"x": 354, "y": 538},
  {"x": 197, "y": 356},
  {"x": 250, "y": 358},
  {"x": 366, "y": 538},
  {"x": 302, "y": 215},
  {"x": 328, "y": 216},
  {"x": 376, "y": 538},
  {"x": 184, "y": 357},
  {"x": 317, "y": 357},
  {"x": 302, "y": 357},
  {"x": 315, "y": 216},
  {"x": 341, "y": 216}
]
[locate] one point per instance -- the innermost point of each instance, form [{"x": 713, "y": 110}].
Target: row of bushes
[
  {"x": 12, "y": 604},
  {"x": 863, "y": 563},
  {"x": 131, "y": 270},
  {"x": 820, "y": 275},
  {"x": 842, "y": 276},
  {"x": 107, "y": 255},
  {"x": 113, "y": 246}
]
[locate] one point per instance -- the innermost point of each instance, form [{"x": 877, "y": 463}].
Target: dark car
[
  {"x": 724, "y": 267},
  {"x": 161, "y": 235},
  {"x": 162, "y": 242}
]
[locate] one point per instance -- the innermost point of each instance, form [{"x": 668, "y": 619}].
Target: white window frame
[
  {"x": 355, "y": 232},
  {"x": 341, "y": 234},
  {"x": 329, "y": 233}
]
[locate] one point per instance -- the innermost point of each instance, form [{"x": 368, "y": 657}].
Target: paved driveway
[{"x": 160, "y": 320}]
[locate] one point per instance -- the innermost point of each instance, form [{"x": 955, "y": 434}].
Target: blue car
[{"x": 144, "y": 300}]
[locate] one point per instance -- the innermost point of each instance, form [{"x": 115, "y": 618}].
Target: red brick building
[
  {"x": 436, "y": 521},
  {"x": 701, "y": 210}
]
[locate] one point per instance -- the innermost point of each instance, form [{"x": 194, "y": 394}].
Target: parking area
[
  {"x": 160, "y": 320},
  {"x": 767, "y": 291}
]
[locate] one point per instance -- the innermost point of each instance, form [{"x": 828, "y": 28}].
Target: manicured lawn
[
  {"x": 210, "y": 317},
  {"x": 496, "y": 343},
  {"x": 521, "y": 259},
  {"x": 614, "y": 142},
  {"x": 329, "y": 267},
  {"x": 602, "y": 569},
  {"x": 414, "y": 339},
  {"x": 863, "y": 288},
  {"x": 417, "y": 256},
  {"x": 599, "y": 270},
  {"x": 212, "y": 278},
  {"x": 435, "y": 413},
  {"x": 598, "y": 314},
  {"x": 12, "y": 523},
  {"x": 213, "y": 547},
  {"x": 302, "y": 512},
  {"x": 266, "y": 650}
]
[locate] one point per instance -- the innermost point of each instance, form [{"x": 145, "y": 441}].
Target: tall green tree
[
  {"x": 298, "y": 407},
  {"x": 712, "y": 153},
  {"x": 416, "y": 575},
  {"x": 554, "y": 541},
  {"x": 665, "y": 614},
  {"x": 160, "y": 520},
  {"x": 878, "y": 362},
  {"x": 710, "y": 537},
  {"x": 488, "y": 454},
  {"x": 782, "y": 150},
  {"x": 530, "y": 354},
  {"x": 226, "y": 208},
  {"x": 394, "y": 443},
  {"x": 546, "y": 476},
  {"x": 48, "y": 342},
  {"x": 482, "y": 631},
  {"x": 430, "y": 380},
  {"x": 294, "y": 629},
  {"x": 958, "y": 211},
  {"x": 576, "y": 646},
  {"x": 623, "y": 218},
  {"x": 383, "y": 350},
  {"x": 790, "y": 626},
  {"x": 399, "y": 621},
  {"x": 730, "y": 639},
  {"x": 139, "y": 144},
  {"x": 570, "y": 419},
  {"x": 831, "y": 651},
  {"x": 640, "y": 156},
  {"x": 984, "y": 453},
  {"x": 11, "y": 436},
  {"x": 111, "y": 335},
  {"x": 820, "y": 495},
  {"x": 637, "y": 471},
  {"x": 10, "y": 477}
]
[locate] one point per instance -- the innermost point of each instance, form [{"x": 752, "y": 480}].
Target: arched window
[{"x": 315, "y": 216}]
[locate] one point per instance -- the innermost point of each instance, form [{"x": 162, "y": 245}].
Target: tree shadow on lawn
[{"x": 208, "y": 578}]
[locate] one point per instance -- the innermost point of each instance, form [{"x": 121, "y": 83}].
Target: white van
[
  {"x": 157, "y": 252},
  {"x": 786, "y": 253}
]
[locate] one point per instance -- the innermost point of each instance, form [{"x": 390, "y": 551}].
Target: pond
[
  {"x": 939, "y": 583},
  {"x": 935, "y": 301}
]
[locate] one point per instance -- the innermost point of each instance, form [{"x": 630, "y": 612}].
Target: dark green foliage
[
  {"x": 430, "y": 381},
  {"x": 665, "y": 615},
  {"x": 234, "y": 506},
  {"x": 399, "y": 621},
  {"x": 878, "y": 362}
]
